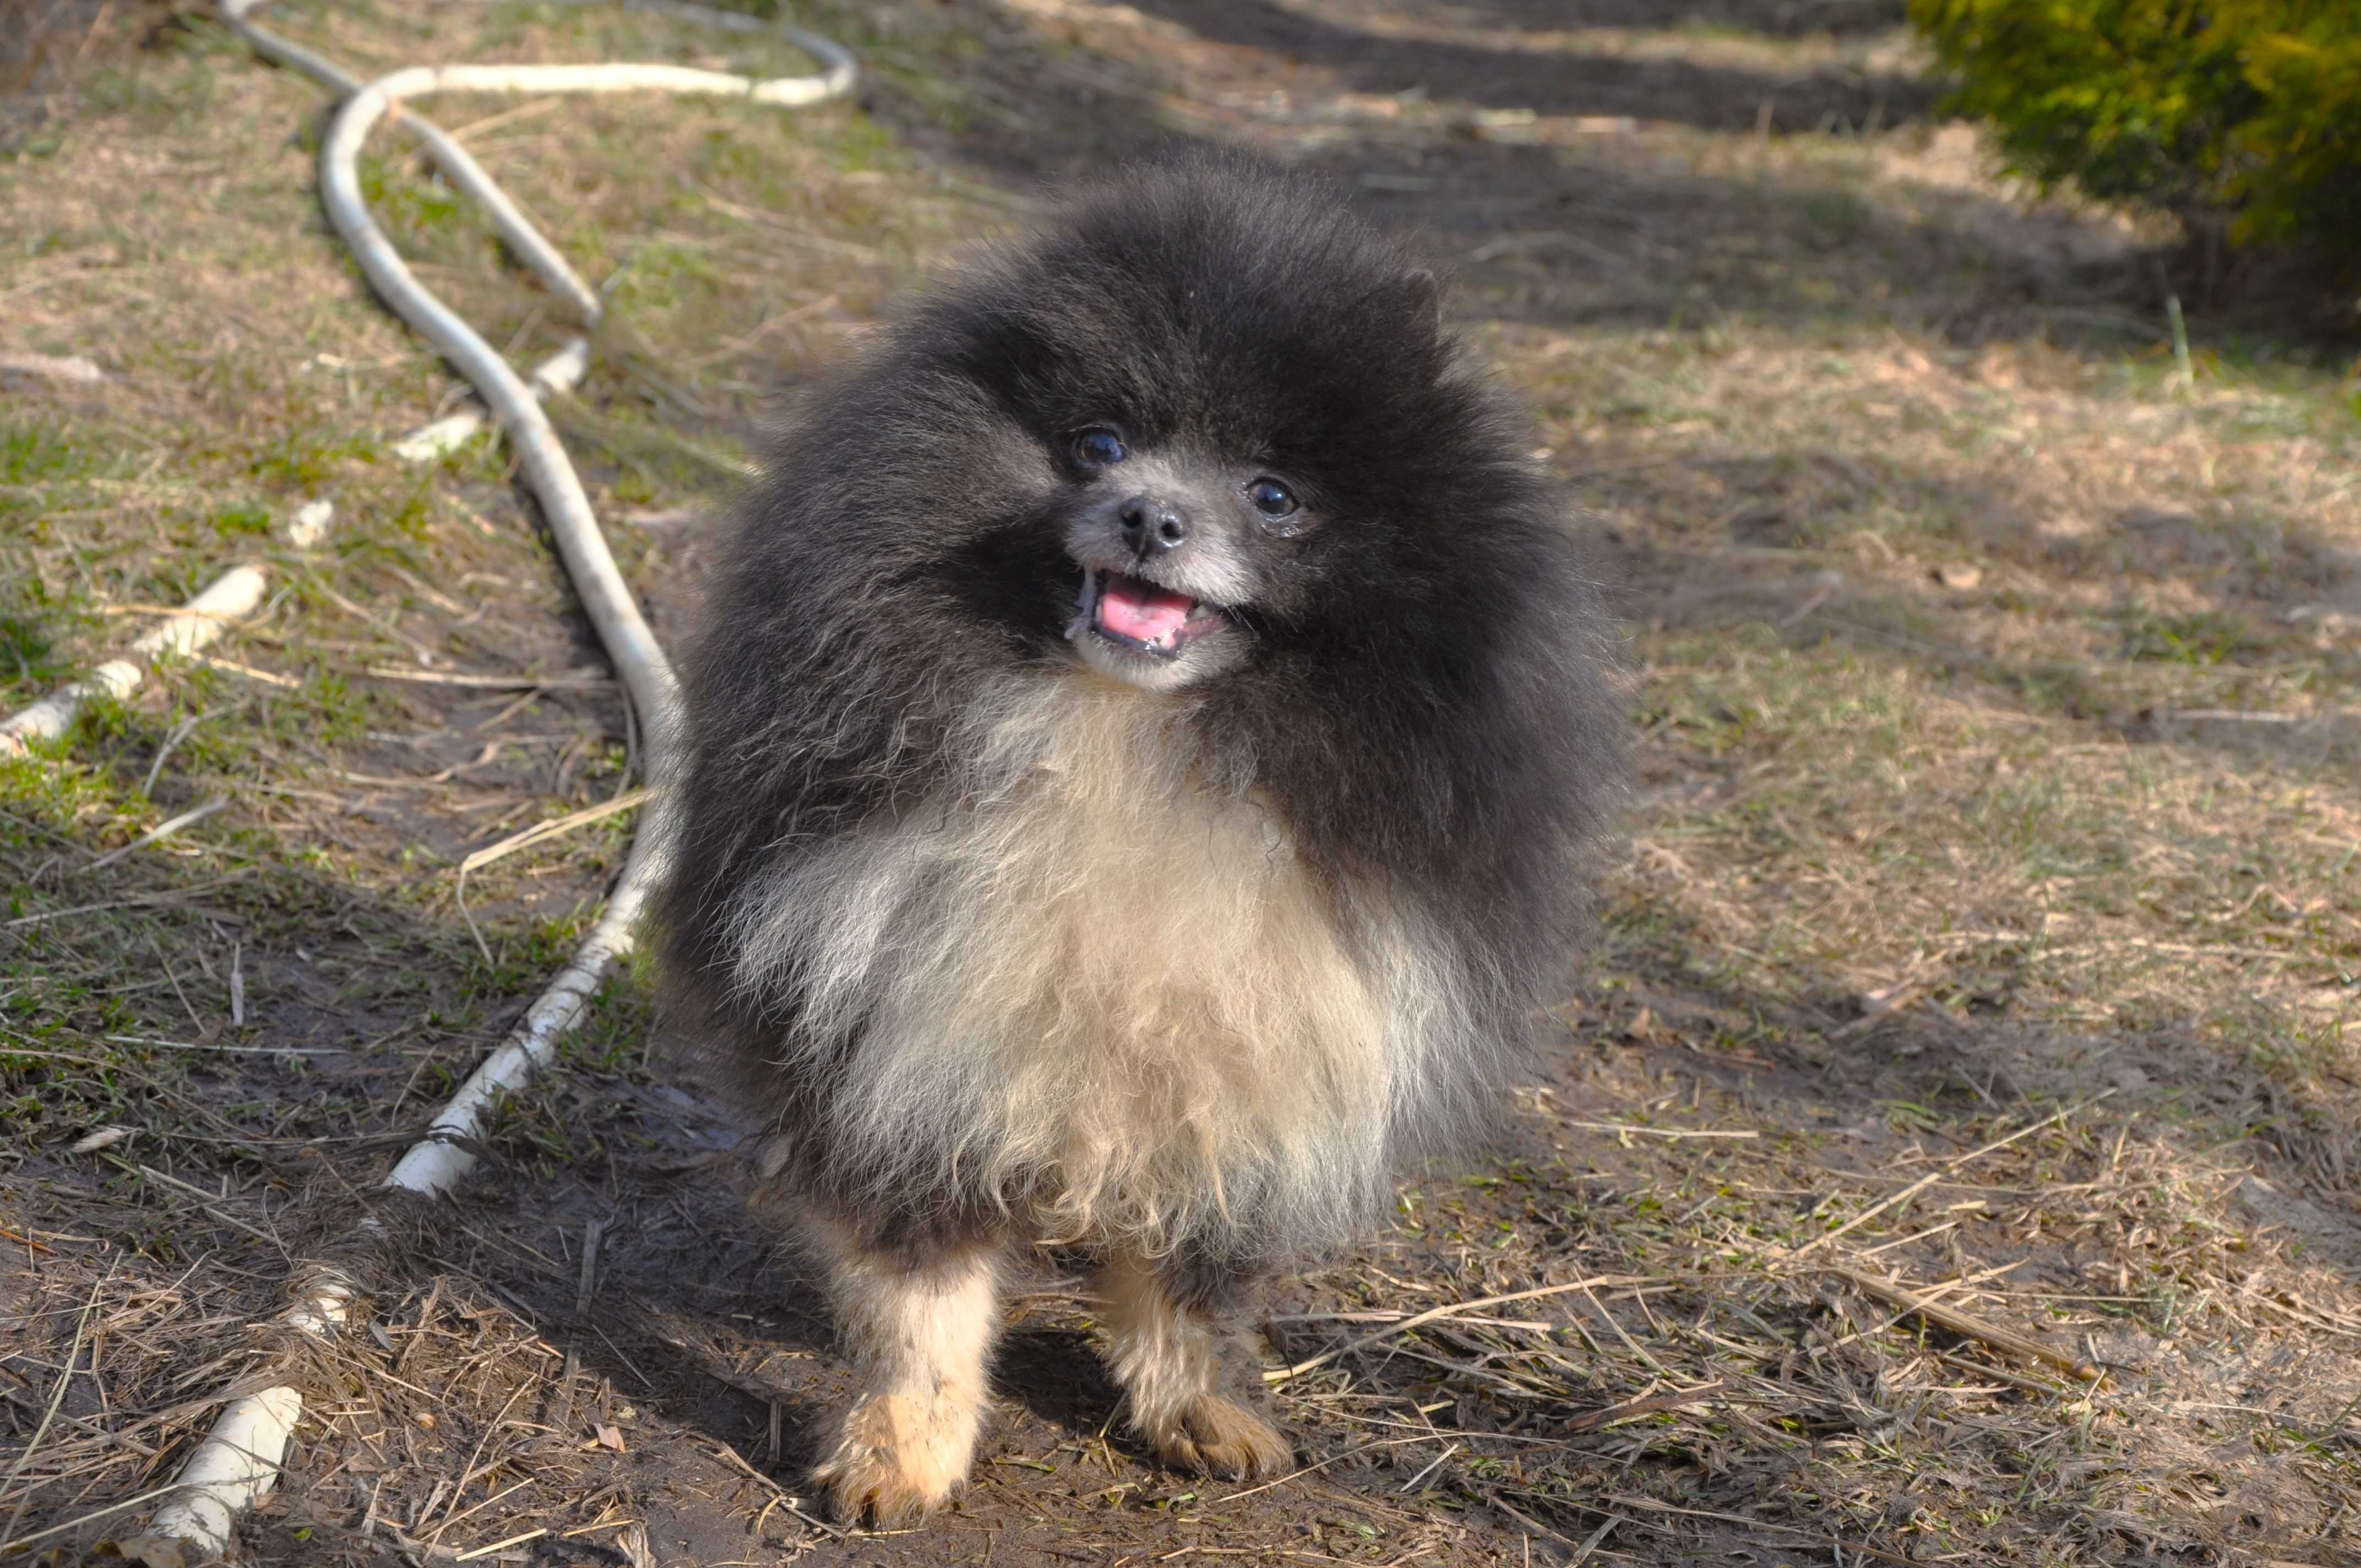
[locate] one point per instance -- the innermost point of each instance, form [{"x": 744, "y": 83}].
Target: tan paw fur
[
  {"x": 1219, "y": 1437},
  {"x": 895, "y": 1460}
]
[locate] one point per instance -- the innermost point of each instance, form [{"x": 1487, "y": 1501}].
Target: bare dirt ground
[{"x": 1970, "y": 1014}]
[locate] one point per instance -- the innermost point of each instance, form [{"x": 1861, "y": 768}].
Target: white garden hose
[
  {"x": 228, "y": 597},
  {"x": 239, "y": 1460},
  {"x": 232, "y": 597}
]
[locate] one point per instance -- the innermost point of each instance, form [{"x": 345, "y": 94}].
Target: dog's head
[{"x": 1226, "y": 416}]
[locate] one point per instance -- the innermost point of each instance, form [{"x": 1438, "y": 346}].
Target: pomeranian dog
[{"x": 1132, "y": 792}]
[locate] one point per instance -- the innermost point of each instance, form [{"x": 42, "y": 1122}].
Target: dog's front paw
[
  {"x": 893, "y": 1460},
  {"x": 1222, "y": 1438}
]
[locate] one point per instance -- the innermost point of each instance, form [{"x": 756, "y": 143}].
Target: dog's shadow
[
  {"x": 750, "y": 1355},
  {"x": 1054, "y": 1372}
]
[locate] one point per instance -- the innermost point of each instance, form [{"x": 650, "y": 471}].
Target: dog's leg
[
  {"x": 920, "y": 1335},
  {"x": 1167, "y": 1357}
]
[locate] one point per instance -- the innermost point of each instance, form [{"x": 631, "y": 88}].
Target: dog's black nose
[{"x": 1150, "y": 526}]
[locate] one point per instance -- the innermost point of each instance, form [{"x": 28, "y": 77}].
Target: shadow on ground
[{"x": 1569, "y": 75}]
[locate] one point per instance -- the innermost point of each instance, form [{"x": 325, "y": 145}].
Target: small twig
[
  {"x": 551, "y": 828},
  {"x": 767, "y": 325},
  {"x": 1968, "y": 1326},
  {"x": 1646, "y": 1405},
  {"x": 174, "y": 895},
  {"x": 1624, "y": 1334},
  {"x": 1933, "y": 1292},
  {"x": 162, "y": 1045},
  {"x": 247, "y": 672},
  {"x": 179, "y": 733},
  {"x": 590, "y": 1230},
  {"x": 1817, "y": 599},
  {"x": 488, "y": 1502},
  {"x": 532, "y": 835},
  {"x": 459, "y": 897},
  {"x": 1590, "y": 1543},
  {"x": 1905, "y": 1240},
  {"x": 425, "y": 655},
  {"x": 163, "y": 829},
  {"x": 2257, "y": 716},
  {"x": 567, "y": 680},
  {"x": 1534, "y": 1524},
  {"x": 1929, "y": 1180},
  {"x": 1412, "y": 1485},
  {"x": 513, "y": 1540},
  {"x": 1666, "y": 1132},
  {"x": 1434, "y": 1314},
  {"x": 204, "y": 1200},
  {"x": 1985, "y": 1369},
  {"x": 1319, "y": 1465},
  {"x": 166, "y": 964},
  {"x": 787, "y": 1499},
  {"x": 794, "y": 234},
  {"x": 525, "y": 111},
  {"x": 1530, "y": 1325}
]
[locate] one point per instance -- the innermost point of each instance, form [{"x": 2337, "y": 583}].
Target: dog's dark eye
[
  {"x": 1100, "y": 448},
  {"x": 1271, "y": 498}
]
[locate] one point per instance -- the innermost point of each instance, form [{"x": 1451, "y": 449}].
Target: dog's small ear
[{"x": 1424, "y": 291}]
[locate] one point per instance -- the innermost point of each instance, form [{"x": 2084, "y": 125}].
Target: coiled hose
[{"x": 239, "y": 1459}]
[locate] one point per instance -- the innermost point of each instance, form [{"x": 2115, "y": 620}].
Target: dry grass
[
  {"x": 45, "y": 42},
  {"x": 1972, "y": 1001}
]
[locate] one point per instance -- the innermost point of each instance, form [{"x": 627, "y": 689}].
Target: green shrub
[{"x": 2243, "y": 112}]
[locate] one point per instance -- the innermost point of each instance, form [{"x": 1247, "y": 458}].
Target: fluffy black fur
[{"x": 1420, "y": 691}]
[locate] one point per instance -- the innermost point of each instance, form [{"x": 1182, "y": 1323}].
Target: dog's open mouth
[{"x": 1134, "y": 613}]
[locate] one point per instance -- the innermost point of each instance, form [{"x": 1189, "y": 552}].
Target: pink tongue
[{"x": 1143, "y": 611}]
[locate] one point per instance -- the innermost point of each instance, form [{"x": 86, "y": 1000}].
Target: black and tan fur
[{"x": 1028, "y": 913}]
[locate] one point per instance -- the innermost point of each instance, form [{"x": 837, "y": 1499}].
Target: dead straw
[
  {"x": 1968, "y": 1326},
  {"x": 1435, "y": 1314},
  {"x": 57, "y": 1398},
  {"x": 1936, "y": 1175},
  {"x": 551, "y": 828}
]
